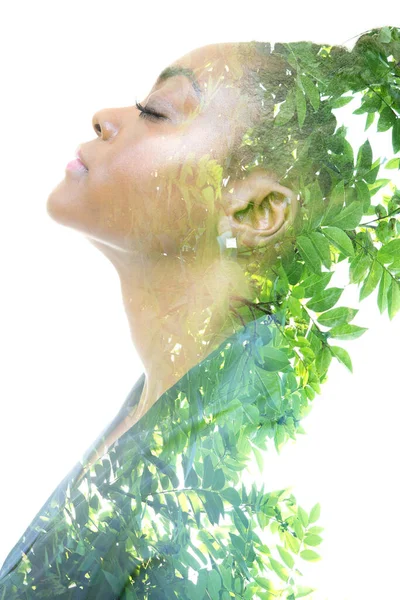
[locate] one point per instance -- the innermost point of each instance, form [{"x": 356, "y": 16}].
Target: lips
[{"x": 78, "y": 154}]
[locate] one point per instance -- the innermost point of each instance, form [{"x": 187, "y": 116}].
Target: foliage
[
  {"x": 342, "y": 216},
  {"x": 165, "y": 512}
]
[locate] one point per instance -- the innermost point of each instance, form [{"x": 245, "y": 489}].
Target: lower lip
[{"x": 76, "y": 165}]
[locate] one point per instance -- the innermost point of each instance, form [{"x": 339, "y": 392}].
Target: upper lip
[{"x": 78, "y": 154}]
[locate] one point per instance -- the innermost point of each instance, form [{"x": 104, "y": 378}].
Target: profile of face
[
  {"x": 156, "y": 199},
  {"x": 144, "y": 188}
]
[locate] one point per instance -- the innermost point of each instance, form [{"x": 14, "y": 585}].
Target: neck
[{"x": 178, "y": 310}]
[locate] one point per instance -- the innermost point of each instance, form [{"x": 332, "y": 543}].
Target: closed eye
[{"x": 148, "y": 113}]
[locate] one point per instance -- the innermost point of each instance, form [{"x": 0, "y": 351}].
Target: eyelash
[{"x": 147, "y": 113}]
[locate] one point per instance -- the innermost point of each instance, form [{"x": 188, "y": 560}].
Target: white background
[{"x": 67, "y": 358}]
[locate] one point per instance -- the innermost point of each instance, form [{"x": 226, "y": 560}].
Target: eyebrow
[{"x": 178, "y": 70}]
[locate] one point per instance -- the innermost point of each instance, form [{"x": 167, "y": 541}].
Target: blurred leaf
[
  {"x": 393, "y": 299},
  {"x": 301, "y": 106},
  {"x": 394, "y": 163},
  {"x": 342, "y": 101},
  {"x": 359, "y": 267},
  {"x": 383, "y": 290},
  {"x": 339, "y": 239},
  {"x": 325, "y": 299},
  {"x": 335, "y": 202},
  {"x": 286, "y": 556},
  {"x": 313, "y": 540},
  {"x": 348, "y": 218},
  {"x": 364, "y": 158},
  {"x": 371, "y": 280},
  {"x": 315, "y": 513},
  {"x": 337, "y": 316},
  {"x": 279, "y": 569},
  {"x": 321, "y": 244},
  {"x": 347, "y": 332},
  {"x": 274, "y": 359},
  {"x": 387, "y": 119},
  {"x": 343, "y": 356},
  {"x": 311, "y": 91},
  {"x": 396, "y": 136},
  {"x": 309, "y": 253},
  {"x": 310, "y": 555}
]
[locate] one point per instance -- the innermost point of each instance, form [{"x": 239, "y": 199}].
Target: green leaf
[
  {"x": 313, "y": 540},
  {"x": 146, "y": 481},
  {"x": 339, "y": 239},
  {"x": 321, "y": 244},
  {"x": 369, "y": 120},
  {"x": 303, "y": 516},
  {"x": 337, "y": 316},
  {"x": 315, "y": 513},
  {"x": 393, "y": 299},
  {"x": 311, "y": 91},
  {"x": 359, "y": 267},
  {"x": 364, "y": 158},
  {"x": 335, "y": 202},
  {"x": 323, "y": 360},
  {"x": 383, "y": 290},
  {"x": 349, "y": 218},
  {"x": 371, "y": 280},
  {"x": 343, "y": 356},
  {"x": 389, "y": 252},
  {"x": 396, "y": 136},
  {"x": 279, "y": 569},
  {"x": 232, "y": 496},
  {"x": 208, "y": 472},
  {"x": 363, "y": 194},
  {"x": 347, "y": 332},
  {"x": 212, "y": 507},
  {"x": 219, "y": 480},
  {"x": 315, "y": 206},
  {"x": 286, "y": 110},
  {"x": 387, "y": 119},
  {"x": 237, "y": 543},
  {"x": 214, "y": 584},
  {"x": 309, "y": 253},
  {"x": 325, "y": 299},
  {"x": 377, "y": 185},
  {"x": 342, "y": 101},
  {"x": 286, "y": 556},
  {"x": 279, "y": 437},
  {"x": 113, "y": 581},
  {"x": 303, "y": 591},
  {"x": 274, "y": 359},
  {"x": 310, "y": 555},
  {"x": 385, "y": 36},
  {"x": 301, "y": 106},
  {"x": 298, "y": 528},
  {"x": 315, "y": 284},
  {"x": 394, "y": 163}
]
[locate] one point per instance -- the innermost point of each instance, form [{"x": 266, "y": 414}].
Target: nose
[{"x": 105, "y": 123}]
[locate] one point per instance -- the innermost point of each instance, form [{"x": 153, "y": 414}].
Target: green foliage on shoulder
[
  {"x": 348, "y": 212},
  {"x": 166, "y": 512}
]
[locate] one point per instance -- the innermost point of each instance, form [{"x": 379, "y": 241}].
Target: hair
[
  {"x": 292, "y": 90},
  {"x": 270, "y": 74}
]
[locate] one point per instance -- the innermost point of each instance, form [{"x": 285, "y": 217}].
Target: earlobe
[{"x": 258, "y": 209}]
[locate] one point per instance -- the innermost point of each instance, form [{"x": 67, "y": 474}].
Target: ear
[{"x": 257, "y": 209}]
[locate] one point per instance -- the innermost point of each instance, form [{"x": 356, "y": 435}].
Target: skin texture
[{"x": 142, "y": 203}]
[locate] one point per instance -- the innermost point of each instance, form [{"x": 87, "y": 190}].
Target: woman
[{"x": 169, "y": 194}]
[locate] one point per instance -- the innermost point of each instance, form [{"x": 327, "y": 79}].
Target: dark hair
[{"x": 291, "y": 73}]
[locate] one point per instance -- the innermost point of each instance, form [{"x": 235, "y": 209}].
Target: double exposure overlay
[{"x": 224, "y": 200}]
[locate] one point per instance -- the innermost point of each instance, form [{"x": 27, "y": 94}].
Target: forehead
[
  {"x": 215, "y": 73},
  {"x": 214, "y": 60}
]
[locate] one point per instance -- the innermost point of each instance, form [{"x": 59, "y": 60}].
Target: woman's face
[{"x": 142, "y": 191}]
